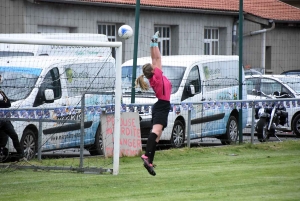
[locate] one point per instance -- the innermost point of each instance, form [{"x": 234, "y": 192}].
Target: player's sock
[{"x": 151, "y": 146}]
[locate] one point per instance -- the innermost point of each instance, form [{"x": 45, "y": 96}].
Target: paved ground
[
  {"x": 194, "y": 143},
  {"x": 246, "y": 138}
]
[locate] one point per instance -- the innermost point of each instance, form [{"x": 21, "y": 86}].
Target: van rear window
[
  {"x": 18, "y": 82},
  {"x": 173, "y": 73},
  {"x": 13, "y": 54}
]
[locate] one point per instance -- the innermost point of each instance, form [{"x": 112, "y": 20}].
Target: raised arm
[
  {"x": 155, "y": 53},
  {"x": 156, "y": 57}
]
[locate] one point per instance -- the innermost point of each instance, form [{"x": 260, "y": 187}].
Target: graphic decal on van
[
  {"x": 69, "y": 74},
  {"x": 210, "y": 72},
  {"x": 25, "y": 70}
]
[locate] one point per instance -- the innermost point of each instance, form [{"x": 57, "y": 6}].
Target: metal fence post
[
  {"x": 82, "y": 130},
  {"x": 40, "y": 140},
  {"x": 252, "y": 123},
  {"x": 189, "y": 129}
]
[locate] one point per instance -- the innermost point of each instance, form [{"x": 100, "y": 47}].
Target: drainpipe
[
  {"x": 263, "y": 45},
  {"x": 234, "y": 37}
]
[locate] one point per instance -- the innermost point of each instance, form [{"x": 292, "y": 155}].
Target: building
[{"x": 271, "y": 27}]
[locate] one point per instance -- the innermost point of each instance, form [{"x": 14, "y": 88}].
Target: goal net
[{"x": 59, "y": 85}]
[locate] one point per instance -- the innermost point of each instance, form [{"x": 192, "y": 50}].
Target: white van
[
  {"x": 283, "y": 86},
  {"x": 51, "y": 88},
  {"x": 7, "y": 50},
  {"x": 194, "y": 78}
]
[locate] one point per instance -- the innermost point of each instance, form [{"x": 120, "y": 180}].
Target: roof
[
  {"x": 268, "y": 9},
  {"x": 272, "y": 9},
  {"x": 46, "y": 61},
  {"x": 292, "y": 78},
  {"x": 229, "y": 5}
]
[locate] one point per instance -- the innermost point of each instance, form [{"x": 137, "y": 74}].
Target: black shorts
[{"x": 160, "y": 113}]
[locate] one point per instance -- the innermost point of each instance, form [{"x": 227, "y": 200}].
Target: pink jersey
[{"x": 161, "y": 85}]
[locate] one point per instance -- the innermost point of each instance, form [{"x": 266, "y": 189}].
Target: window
[
  {"x": 252, "y": 85},
  {"x": 164, "y": 39},
  {"x": 91, "y": 77},
  {"x": 16, "y": 53},
  {"x": 51, "y": 81},
  {"x": 193, "y": 79},
  {"x": 211, "y": 41},
  {"x": 110, "y": 31},
  {"x": 269, "y": 86}
]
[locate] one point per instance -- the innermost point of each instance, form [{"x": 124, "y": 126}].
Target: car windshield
[
  {"x": 174, "y": 74},
  {"x": 293, "y": 82},
  {"x": 16, "y": 82}
]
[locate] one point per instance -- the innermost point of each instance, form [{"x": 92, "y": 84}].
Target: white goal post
[{"x": 118, "y": 91}]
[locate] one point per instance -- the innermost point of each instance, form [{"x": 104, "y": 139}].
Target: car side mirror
[
  {"x": 49, "y": 96},
  {"x": 190, "y": 90}
]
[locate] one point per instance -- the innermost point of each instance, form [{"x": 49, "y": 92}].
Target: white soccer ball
[{"x": 125, "y": 31}]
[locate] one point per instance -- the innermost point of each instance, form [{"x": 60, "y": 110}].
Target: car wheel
[
  {"x": 262, "y": 130},
  {"x": 231, "y": 134},
  {"x": 178, "y": 134},
  {"x": 296, "y": 125},
  {"x": 4, "y": 155},
  {"x": 29, "y": 144},
  {"x": 97, "y": 147}
]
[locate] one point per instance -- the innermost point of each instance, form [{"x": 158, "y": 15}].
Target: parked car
[
  {"x": 277, "y": 86},
  {"x": 52, "y": 88},
  {"x": 194, "y": 78},
  {"x": 291, "y": 72}
]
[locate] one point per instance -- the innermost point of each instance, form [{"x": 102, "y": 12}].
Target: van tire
[
  {"x": 231, "y": 134},
  {"x": 97, "y": 147},
  {"x": 177, "y": 135},
  {"x": 296, "y": 125},
  {"x": 29, "y": 144}
]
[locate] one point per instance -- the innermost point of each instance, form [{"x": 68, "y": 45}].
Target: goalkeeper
[{"x": 160, "y": 111}]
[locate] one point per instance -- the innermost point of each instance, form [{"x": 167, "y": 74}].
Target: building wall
[
  {"x": 12, "y": 16},
  {"x": 285, "y": 47},
  {"x": 252, "y": 45},
  {"x": 187, "y": 28},
  {"x": 282, "y": 42}
]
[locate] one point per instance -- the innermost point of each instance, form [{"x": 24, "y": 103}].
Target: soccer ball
[{"x": 125, "y": 31}]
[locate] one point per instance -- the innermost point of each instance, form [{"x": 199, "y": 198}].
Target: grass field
[{"x": 269, "y": 171}]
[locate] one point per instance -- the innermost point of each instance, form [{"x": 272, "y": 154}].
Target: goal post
[{"x": 118, "y": 80}]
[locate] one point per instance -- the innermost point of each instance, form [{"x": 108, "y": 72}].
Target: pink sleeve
[
  {"x": 156, "y": 81},
  {"x": 157, "y": 76}
]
